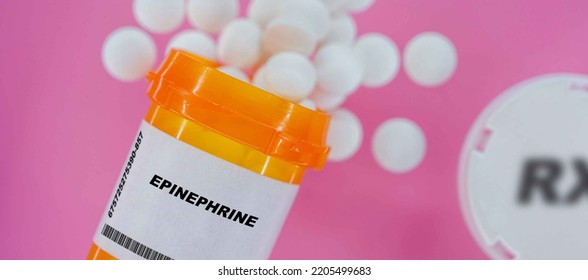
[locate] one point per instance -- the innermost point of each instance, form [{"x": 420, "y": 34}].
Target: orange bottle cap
[{"x": 191, "y": 87}]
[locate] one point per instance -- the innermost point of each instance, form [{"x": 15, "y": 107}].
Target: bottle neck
[{"x": 223, "y": 147}]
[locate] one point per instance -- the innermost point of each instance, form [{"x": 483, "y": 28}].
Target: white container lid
[{"x": 523, "y": 175}]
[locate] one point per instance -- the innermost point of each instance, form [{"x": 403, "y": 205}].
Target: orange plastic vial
[{"x": 213, "y": 170}]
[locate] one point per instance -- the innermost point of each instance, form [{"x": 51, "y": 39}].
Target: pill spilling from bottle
[{"x": 302, "y": 58}]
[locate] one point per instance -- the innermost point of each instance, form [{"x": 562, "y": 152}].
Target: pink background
[{"x": 66, "y": 126}]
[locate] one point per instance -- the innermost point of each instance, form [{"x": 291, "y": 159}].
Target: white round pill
[
  {"x": 326, "y": 101},
  {"x": 290, "y": 75},
  {"x": 212, "y": 15},
  {"x": 262, "y": 11},
  {"x": 430, "y": 59},
  {"x": 239, "y": 43},
  {"x": 339, "y": 70},
  {"x": 307, "y": 103},
  {"x": 259, "y": 78},
  {"x": 196, "y": 42},
  {"x": 342, "y": 30},
  {"x": 314, "y": 13},
  {"x": 128, "y": 54},
  {"x": 358, "y": 6},
  {"x": 288, "y": 34},
  {"x": 399, "y": 145},
  {"x": 380, "y": 57},
  {"x": 159, "y": 16},
  {"x": 344, "y": 136},
  {"x": 234, "y": 72}
]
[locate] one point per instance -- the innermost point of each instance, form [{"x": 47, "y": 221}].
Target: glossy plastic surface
[{"x": 187, "y": 86}]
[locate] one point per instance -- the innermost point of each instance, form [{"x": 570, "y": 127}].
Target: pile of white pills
[
  {"x": 306, "y": 51},
  {"x": 297, "y": 49}
]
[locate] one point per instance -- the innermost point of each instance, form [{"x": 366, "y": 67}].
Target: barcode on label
[{"x": 131, "y": 244}]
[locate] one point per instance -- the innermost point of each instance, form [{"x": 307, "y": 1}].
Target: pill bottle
[{"x": 213, "y": 170}]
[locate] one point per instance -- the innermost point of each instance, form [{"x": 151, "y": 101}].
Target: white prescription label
[{"x": 174, "y": 201}]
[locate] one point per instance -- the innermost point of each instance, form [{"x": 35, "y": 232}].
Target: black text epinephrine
[{"x": 213, "y": 170}]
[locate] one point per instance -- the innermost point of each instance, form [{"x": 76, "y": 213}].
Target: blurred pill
[
  {"x": 159, "y": 16},
  {"x": 239, "y": 43},
  {"x": 259, "y": 78},
  {"x": 262, "y": 11},
  {"x": 196, "y": 42},
  {"x": 311, "y": 12},
  {"x": 326, "y": 101},
  {"x": 430, "y": 59},
  {"x": 289, "y": 75},
  {"x": 212, "y": 15},
  {"x": 335, "y": 5},
  {"x": 288, "y": 34},
  {"x": 307, "y": 103},
  {"x": 344, "y": 136},
  {"x": 128, "y": 54},
  {"x": 358, "y": 6},
  {"x": 380, "y": 57},
  {"x": 399, "y": 145},
  {"x": 234, "y": 72},
  {"x": 338, "y": 69},
  {"x": 342, "y": 30}
]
